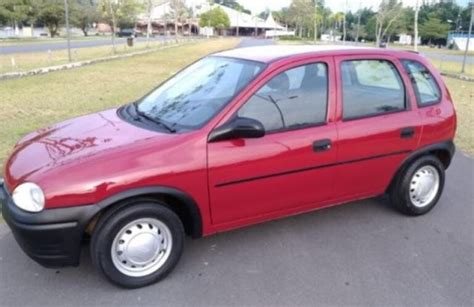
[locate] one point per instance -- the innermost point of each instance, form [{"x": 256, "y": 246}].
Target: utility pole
[
  {"x": 344, "y": 23},
  {"x": 468, "y": 39},
  {"x": 113, "y": 4},
  {"x": 256, "y": 28},
  {"x": 149, "y": 26},
  {"x": 417, "y": 10},
  {"x": 344, "y": 29},
  {"x": 238, "y": 16},
  {"x": 316, "y": 21},
  {"x": 68, "y": 31},
  {"x": 358, "y": 21}
]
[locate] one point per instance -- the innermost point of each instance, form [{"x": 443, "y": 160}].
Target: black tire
[
  {"x": 400, "y": 191},
  {"x": 114, "y": 221}
]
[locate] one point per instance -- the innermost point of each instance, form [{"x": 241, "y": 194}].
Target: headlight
[{"x": 29, "y": 197}]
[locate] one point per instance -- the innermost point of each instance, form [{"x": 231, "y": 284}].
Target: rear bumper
[{"x": 51, "y": 237}]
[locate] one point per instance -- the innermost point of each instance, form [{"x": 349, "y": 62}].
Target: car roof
[{"x": 272, "y": 53}]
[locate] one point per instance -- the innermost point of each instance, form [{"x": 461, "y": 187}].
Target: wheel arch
[
  {"x": 444, "y": 151},
  {"x": 178, "y": 201}
]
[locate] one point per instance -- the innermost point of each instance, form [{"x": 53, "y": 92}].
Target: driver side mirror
[{"x": 238, "y": 128}]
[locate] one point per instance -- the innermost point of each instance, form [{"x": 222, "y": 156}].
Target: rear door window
[
  {"x": 424, "y": 84},
  {"x": 371, "y": 87}
]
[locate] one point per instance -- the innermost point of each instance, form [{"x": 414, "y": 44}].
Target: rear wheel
[
  {"x": 137, "y": 245},
  {"x": 418, "y": 188}
]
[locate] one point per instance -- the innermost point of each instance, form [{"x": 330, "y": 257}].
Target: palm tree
[{"x": 336, "y": 21}]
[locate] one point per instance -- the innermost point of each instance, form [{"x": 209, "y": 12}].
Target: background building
[{"x": 241, "y": 23}]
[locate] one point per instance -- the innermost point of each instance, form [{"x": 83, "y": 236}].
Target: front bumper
[{"x": 51, "y": 237}]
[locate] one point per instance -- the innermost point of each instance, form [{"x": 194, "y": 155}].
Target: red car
[{"x": 237, "y": 138}]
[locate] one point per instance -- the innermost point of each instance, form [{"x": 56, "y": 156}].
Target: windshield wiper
[{"x": 152, "y": 119}]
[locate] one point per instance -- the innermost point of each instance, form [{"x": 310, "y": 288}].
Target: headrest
[{"x": 280, "y": 82}]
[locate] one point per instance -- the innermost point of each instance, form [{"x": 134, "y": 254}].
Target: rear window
[
  {"x": 371, "y": 87},
  {"x": 424, "y": 84}
]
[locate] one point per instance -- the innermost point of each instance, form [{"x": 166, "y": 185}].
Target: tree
[
  {"x": 51, "y": 14},
  {"x": 402, "y": 24},
  {"x": 389, "y": 11},
  {"x": 326, "y": 14},
  {"x": 337, "y": 20},
  {"x": 264, "y": 14},
  {"x": 119, "y": 13},
  {"x": 215, "y": 18},
  {"x": 233, "y": 5},
  {"x": 433, "y": 29},
  {"x": 150, "y": 4},
  {"x": 365, "y": 24},
  {"x": 318, "y": 18},
  {"x": 178, "y": 11},
  {"x": 33, "y": 12},
  {"x": 302, "y": 15},
  {"x": 13, "y": 12},
  {"x": 282, "y": 16},
  {"x": 417, "y": 11},
  {"x": 84, "y": 14},
  {"x": 463, "y": 20}
]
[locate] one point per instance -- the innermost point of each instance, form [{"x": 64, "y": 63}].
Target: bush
[{"x": 290, "y": 38}]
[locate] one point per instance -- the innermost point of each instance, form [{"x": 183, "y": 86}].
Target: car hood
[{"x": 71, "y": 142}]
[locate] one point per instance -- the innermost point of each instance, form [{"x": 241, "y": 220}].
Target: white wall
[{"x": 460, "y": 43}]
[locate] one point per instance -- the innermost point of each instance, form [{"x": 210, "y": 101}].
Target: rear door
[
  {"x": 250, "y": 179},
  {"x": 377, "y": 124}
]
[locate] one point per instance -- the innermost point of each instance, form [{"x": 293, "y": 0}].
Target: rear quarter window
[{"x": 426, "y": 88}]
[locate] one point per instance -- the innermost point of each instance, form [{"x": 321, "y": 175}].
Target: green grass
[
  {"x": 33, "y": 102},
  {"x": 453, "y": 67},
  {"x": 28, "y": 61},
  {"x": 462, "y": 93},
  {"x": 36, "y": 40},
  {"x": 444, "y": 66},
  {"x": 424, "y": 48}
]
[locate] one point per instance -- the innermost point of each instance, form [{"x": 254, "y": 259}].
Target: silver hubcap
[
  {"x": 424, "y": 186},
  {"x": 141, "y": 247}
]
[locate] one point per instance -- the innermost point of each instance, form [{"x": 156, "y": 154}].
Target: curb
[
  {"x": 49, "y": 69},
  {"x": 457, "y": 76}
]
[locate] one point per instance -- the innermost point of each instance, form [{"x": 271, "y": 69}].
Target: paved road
[
  {"x": 448, "y": 57},
  {"x": 363, "y": 253},
  {"x": 55, "y": 45}
]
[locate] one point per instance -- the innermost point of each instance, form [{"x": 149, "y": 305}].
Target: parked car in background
[
  {"x": 126, "y": 33},
  {"x": 237, "y": 138}
]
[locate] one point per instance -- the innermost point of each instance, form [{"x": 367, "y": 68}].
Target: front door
[{"x": 249, "y": 179}]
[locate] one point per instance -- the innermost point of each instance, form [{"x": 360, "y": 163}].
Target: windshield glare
[{"x": 196, "y": 94}]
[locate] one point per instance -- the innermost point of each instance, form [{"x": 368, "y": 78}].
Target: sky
[{"x": 335, "y": 5}]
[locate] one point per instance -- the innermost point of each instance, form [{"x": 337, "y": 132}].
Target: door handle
[
  {"x": 322, "y": 145},
  {"x": 407, "y": 133}
]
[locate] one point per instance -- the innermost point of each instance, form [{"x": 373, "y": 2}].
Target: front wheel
[
  {"x": 137, "y": 245},
  {"x": 418, "y": 188}
]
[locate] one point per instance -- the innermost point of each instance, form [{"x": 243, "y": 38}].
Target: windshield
[{"x": 196, "y": 94}]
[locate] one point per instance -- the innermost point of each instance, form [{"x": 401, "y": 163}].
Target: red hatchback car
[{"x": 237, "y": 138}]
